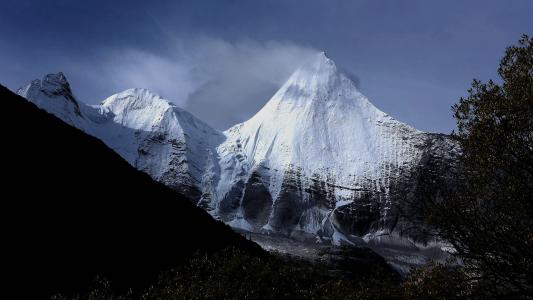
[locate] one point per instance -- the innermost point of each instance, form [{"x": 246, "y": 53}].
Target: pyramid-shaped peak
[
  {"x": 318, "y": 79},
  {"x": 319, "y": 63}
]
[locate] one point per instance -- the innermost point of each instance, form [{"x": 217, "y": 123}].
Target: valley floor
[{"x": 399, "y": 258}]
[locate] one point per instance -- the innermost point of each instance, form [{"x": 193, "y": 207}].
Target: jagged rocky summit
[{"x": 318, "y": 161}]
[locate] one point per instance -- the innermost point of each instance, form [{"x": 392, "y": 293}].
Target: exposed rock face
[
  {"x": 318, "y": 161},
  {"x": 331, "y": 163}
]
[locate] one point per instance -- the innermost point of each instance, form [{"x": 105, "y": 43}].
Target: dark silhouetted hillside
[{"x": 72, "y": 208}]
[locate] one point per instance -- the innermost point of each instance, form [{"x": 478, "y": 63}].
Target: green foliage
[
  {"x": 435, "y": 282},
  {"x": 234, "y": 274},
  {"x": 101, "y": 289},
  {"x": 489, "y": 219}
]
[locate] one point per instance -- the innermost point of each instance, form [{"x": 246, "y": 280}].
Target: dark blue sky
[{"x": 222, "y": 60}]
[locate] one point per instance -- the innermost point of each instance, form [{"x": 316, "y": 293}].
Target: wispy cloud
[{"x": 221, "y": 82}]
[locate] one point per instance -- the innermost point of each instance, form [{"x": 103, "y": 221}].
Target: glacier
[{"x": 319, "y": 162}]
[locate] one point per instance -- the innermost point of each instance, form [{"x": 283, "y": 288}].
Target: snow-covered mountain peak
[
  {"x": 313, "y": 79},
  {"x": 53, "y": 94},
  {"x": 137, "y": 108},
  {"x": 318, "y": 96},
  {"x": 319, "y": 85},
  {"x": 142, "y": 109},
  {"x": 54, "y": 84},
  {"x": 136, "y": 96},
  {"x": 318, "y": 126},
  {"x": 320, "y": 63},
  {"x": 318, "y": 159},
  {"x": 148, "y": 131}
]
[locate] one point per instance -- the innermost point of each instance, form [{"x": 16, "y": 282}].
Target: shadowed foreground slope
[{"x": 72, "y": 208}]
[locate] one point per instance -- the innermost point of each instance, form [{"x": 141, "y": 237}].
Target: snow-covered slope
[
  {"x": 317, "y": 161},
  {"x": 148, "y": 131},
  {"x": 170, "y": 144}
]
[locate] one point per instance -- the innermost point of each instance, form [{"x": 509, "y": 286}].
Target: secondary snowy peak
[
  {"x": 172, "y": 145},
  {"x": 142, "y": 109},
  {"x": 51, "y": 84},
  {"x": 136, "y": 108},
  {"x": 53, "y": 94},
  {"x": 150, "y": 132},
  {"x": 135, "y": 99}
]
